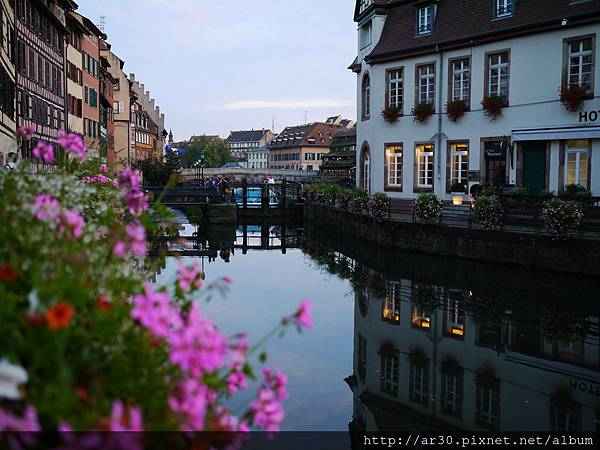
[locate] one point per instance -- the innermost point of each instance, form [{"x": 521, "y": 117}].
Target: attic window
[
  {"x": 425, "y": 16},
  {"x": 504, "y": 8},
  {"x": 364, "y": 4}
]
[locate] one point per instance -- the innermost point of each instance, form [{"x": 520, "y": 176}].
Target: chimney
[{"x": 132, "y": 76}]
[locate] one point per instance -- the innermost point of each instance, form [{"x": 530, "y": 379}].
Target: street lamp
[{"x": 201, "y": 160}]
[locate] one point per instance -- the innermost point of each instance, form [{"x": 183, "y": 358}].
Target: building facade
[
  {"x": 74, "y": 69},
  {"x": 40, "y": 61},
  {"x": 147, "y": 104},
  {"x": 241, "y": 142},
  {"x": 301, "y": 147},
  {"x": 340, "y": 162},
  {"x": 7, "y": 81},
  {"x": 258, "y": 158},
  {"x": 145, "y": 135},
  {"x": 107, "y": 122},
  {"x": 478, "y": 103}
]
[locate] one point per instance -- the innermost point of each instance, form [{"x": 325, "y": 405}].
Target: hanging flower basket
[
  {"x": 492, "y": 106},
  {"x": 422, "y": 112},
  {"x": 455, "y": 110},
  {"x": 561, "y": 217},
  {"x": 572, "y": 97},
  {"x": 450, "y": 366},
  {"x": 418, "y": 357},
  {"x": 390, "y": 114},
  {"x": 428, "y": 208},
  {"x": 425, "y": 299}
]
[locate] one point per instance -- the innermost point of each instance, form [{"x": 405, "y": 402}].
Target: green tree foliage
[
  {"x": 216, "y": 153},
  {"x": 158, "y": 171}
]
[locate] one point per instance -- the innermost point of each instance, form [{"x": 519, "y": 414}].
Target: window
[
  {"x": 425, "y": 83},
  {"x": 364, "y": 4},
  {"x": 366, "y": 35},
  {"x": 460, "y": 80},
  {"x": 425, "y": 19},
  {"x": 366, "y": 97},
  {"x": 424, "y": 166},
  {"x": 498, "y": 74},
  {"x": 577, "y": 163},
  {"x": 395, "y": 89},
  {"x": 454, "y": 314},
  {"x": 488, "y": 404},
  {"x": 362, "y": 356},
  {"x": 418, "y": 386},
  {"x": 580, "y": 65},
  {"x": 566, "y": 416},
  {"x": 459, "y": 163},
  {"x": 389, "y": 373},
  {"x": 452, "y": 393},
  {"x": 391, "y": 305},
  {"x": 504, "y": 8},
  {"x": 394, "y": 166}
]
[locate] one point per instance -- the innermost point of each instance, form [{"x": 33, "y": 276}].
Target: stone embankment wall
[{"x": 529, "y": 251}]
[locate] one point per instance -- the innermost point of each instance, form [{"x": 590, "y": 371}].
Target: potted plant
[
  {"x": 458, "y": 191},
  {"x": 422, "y": 112},
  {"x": 572, "y": 97},
  {"x": 489, "y": 212},
  {"x": 428, "y": 208},
  {"x": 390, "y": 114},
  {"x": 561, "y": 217},
  {"x": 492, "y": 106},
  {"x": 455, "y": 110}
]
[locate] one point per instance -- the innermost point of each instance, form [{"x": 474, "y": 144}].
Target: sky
[{"x": 219, "y": 65}]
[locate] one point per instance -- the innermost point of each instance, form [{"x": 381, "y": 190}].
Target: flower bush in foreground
[
  {"x": 561, "y": 217},
  {"x": 86, "y": 343},
  {"x": 428, "y": 208},
  {"x": 489, "y": 212}
]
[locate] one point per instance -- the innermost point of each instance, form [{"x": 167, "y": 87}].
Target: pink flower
[
  {"x": 28, "y": 423},
  {"x": 236, "y": 381},
  {"x": 71, "y": 224},
  {"x": 100, "y": 179},
  {"x": 154, "y": 311},
  {"x": 267, "y": 408},
  {"x": 130, "y": 179},
  {"x": 26, "y": 132},
  {"x": 136, "y": 235},
  {"x": 227, "y": 281},
  {"x": 72, "y": 143},
  {"x": 197, "y": 347},
  {"x": 120, "y": 249},
  {"x": 46, "y": 208},
  {"x": 137, "y": 201},
  {"x": 103, "y": 168},
  {"x": 190, "y": 401},
  {"x": 125, "y": 418},
  {"x": 189, "y": 277},
  {"x": 44, "y": 151},
  {"x": 302, "y": 318}
]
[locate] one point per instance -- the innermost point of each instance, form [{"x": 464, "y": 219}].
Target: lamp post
[{"x": 201, "y": 160}]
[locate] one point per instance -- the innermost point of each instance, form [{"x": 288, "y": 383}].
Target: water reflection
[{"x": 442, "y": 344}]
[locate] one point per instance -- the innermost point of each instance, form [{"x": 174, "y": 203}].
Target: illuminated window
[
  {"x": 424, "y": 161},
  {"x": 577, "y": 162},
  {"x": 454, "y": 314},
  {"x": 459, "y": 163},
  {"x": 393, "y": 154},
  {"x": 391, "y": 305}
]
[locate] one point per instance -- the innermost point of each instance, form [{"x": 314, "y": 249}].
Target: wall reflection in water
[{"x": 443, "y": 344}]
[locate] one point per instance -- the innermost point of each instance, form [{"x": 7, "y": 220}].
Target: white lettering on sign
[{"x": 589, "y": 116}]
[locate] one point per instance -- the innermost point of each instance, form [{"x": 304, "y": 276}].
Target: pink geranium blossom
[
  {"x": 125, "y": 418},
  {"x": 190, "y": 401},
  {"x": 137, "y": 201},
  {"x": 71, "y": 224},
  {"x": 154, "y": 311},
  {"x": 136, "y": 234},
  {"x": 100, "y": 179},
  {"x": 130, "y": 179},
  {"x": 267, "y": 408},
  {"x": 28, "y": 423},
  {"x": 197, "y": 347},
  {"x": 302, "y": 318},
  {"x": 189, "y": 277},
  {"x": 103, "y": 168},
  {"x": 44, "y": 151},
  {"x": 72, "y": 143},
  {"x": 46, "y": 208}
]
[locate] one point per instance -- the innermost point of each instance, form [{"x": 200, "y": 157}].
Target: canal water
[{"x": 404, "y": 341}]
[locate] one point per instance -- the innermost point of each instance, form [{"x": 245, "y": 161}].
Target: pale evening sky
[{"x": 220, "y": 65}]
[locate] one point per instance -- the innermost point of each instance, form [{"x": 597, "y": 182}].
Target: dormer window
[
  {"x": 366, "y": 35},
  {"x": 364, "y": 4},
  {"x": 504, "y": 8},
  {"x": 425, "y": 19}
]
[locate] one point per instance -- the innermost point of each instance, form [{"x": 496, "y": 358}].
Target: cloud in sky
[
  {"x": 288, "y": 104},
  {"x": 217, "y": 65}
]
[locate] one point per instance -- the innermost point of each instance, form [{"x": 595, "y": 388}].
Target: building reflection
[{"x": 464, "y": 352}]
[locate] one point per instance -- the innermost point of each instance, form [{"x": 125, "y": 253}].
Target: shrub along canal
[{"x": 405, "y": 341}]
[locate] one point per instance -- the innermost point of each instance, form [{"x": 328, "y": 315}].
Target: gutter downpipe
[{"x": 439, "y": 132}]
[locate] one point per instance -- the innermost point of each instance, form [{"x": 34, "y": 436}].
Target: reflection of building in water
[{"x": 435, "y": 357}]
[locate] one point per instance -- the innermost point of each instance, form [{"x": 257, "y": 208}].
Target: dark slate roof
[
  {"x": 316, "y": 134},
  {"x": 246, "y": 135},
  {"x": 461, "y": 23}
]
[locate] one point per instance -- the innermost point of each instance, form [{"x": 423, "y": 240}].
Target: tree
[
  {"x": 158, "y": 170},
  {"x": 216, "y": 153}
]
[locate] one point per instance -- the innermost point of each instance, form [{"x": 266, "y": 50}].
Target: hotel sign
[
  {"x": 589, "y": 116},
  {"x": 585, "y": 386}
]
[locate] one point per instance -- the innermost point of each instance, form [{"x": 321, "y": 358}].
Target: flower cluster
[
  {"x": 190, "y": 277},
  {"x": 378, "y": 206},
  {"x": 27, "y": 423},
  {"x": 356, "y": 201},
  {"x": 134, "y": 240},
  {"x": 72, "y": 143},
  {"x": 130, "y": 181},
  {"x": 428, "y": 208},
  {"x": 44, "y": 151},
  {"x": 70, "y": 222},
  {"x": 561, "y": 217},
  {"x": 489, "y": 212},
  {"x": 267, "y": 408},
  {"x": 26, "y": 132},
  {"x": 100, "y": 179}
]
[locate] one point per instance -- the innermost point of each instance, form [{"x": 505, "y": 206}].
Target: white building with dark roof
[{"x": 241, "y": 142}]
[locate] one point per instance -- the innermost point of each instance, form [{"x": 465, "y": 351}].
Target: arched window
[
  {"x": 366, "y": 97},
  {"x": 365, "y": 168}
]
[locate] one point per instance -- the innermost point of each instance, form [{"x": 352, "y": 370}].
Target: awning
[{"x": 556, "y": 133}]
